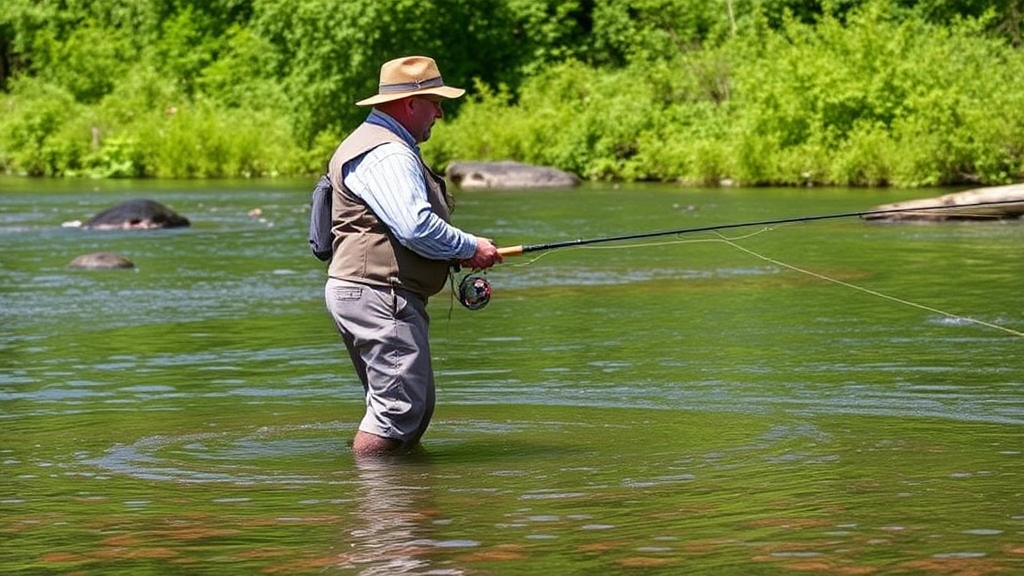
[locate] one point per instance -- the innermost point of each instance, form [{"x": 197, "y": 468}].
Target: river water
[{"x": 836, "y": 397}]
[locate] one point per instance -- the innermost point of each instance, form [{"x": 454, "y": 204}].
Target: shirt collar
[{"x": 383, "y": 120}]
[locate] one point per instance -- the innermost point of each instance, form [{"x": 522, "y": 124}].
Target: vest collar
[{"x": 383, "y": 120}]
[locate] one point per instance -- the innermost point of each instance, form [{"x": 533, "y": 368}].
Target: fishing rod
[
  {"x": 475, "y": 291},
  {"x": 524, "y": 248}
]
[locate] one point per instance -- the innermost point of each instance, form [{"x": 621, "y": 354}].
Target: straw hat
[{"x": 410, "y": 76}]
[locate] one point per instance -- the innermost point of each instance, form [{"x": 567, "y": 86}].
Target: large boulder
[
  {"x": 508, "y": 174},
  {"x": 994, "y": 203},
  {"x": 101, "y": 261},
  {"x": 136, "y": 215}
]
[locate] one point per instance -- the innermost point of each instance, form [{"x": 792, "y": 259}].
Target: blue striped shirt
[{"x": 389, "y": 179}]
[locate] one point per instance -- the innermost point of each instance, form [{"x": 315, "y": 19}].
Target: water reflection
[{"x": 394, "y": 509}]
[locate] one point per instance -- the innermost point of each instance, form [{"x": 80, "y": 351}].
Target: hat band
[{"x": 411, "y": 86}]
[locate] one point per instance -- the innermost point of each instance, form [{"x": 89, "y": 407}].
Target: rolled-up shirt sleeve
[{"x": 389, "y": 179}]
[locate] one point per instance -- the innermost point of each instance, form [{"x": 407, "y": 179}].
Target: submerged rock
[
  {"x": 508, "y": 174},
  {"x": 136, "y": 214},
  {"x": 997, "y": 203},
  {"x": 101, "y": 261}
]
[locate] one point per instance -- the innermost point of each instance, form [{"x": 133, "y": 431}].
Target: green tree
[
  {"x": 628, "y": 30},
  {"x": 329, "y": 53}
]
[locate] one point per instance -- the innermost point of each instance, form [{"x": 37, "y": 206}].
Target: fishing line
[
  {"x": 903, "y": 301},
  {"x": 732, "y": 242},
  {"x": 480, "y": 285},
  {"x": 474, "y": 291}
]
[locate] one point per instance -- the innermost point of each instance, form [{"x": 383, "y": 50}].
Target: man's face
[{"x": 425, "y": 111}]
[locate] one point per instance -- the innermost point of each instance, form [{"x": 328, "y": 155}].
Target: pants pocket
[{"x": 347, "y": 293}]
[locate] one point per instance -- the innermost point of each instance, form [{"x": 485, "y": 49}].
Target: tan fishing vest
[{"x": 365, "y": 250}]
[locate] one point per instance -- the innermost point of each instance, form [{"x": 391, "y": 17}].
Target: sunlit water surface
[{"x": 835, "y": 397}]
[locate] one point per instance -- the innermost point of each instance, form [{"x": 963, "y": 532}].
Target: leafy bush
[
  {"x": 35, "y": 116},
  {"x": 793, "y": 92},
  {"x": 206, "y": 141},
  {"x": 45, "y": 133},
  {"x": 570, "y": 116},
  {"x": 882, "y": 98}
]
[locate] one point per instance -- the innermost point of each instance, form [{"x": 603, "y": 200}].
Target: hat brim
[{"x": 442, "y": 91}]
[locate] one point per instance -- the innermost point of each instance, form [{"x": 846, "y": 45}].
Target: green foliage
[
  {"x": 45, "y": 133},
  {"x": 882, "y": 98},
  {"x": 239, "y": 79},
  {"x": 549, "y": 31},
  {"x": 329, "y": 53},
  {"x": 914, "y": 89},
  {"x": 35, "y": 116},
  {"x": 206, "y": 141},
  {"x": 568, "y": 117},
  {"x": 796, "y": 92},
  {"x": 165, "y": 88},
  {"x": 87, "y": 62},
  {"x": 648, "y": 30}
]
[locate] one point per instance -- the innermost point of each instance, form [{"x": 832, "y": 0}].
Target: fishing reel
[{"x": 474, "y": 291}]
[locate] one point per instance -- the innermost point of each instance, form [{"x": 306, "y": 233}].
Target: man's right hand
[{"x": 486, "y": 255}]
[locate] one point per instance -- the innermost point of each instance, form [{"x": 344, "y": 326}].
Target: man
[{"x": 393, "y": 247}]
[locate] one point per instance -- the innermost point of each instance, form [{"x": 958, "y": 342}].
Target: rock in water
[
  {"x": 136, "y": 215},
  {"x": 101, "y": 261},
  {"x": 507, "y": 174}
]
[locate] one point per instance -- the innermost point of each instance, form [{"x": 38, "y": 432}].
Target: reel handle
[{"x": 511, "y": 250}]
